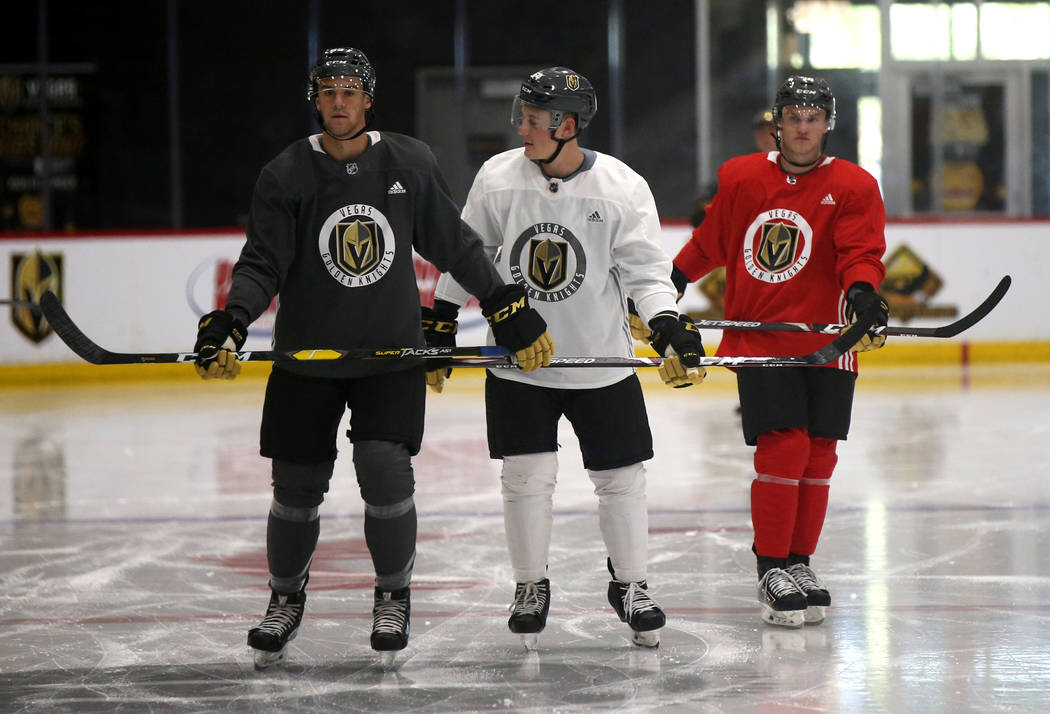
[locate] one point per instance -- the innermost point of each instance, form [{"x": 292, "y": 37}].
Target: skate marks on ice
[
  {"x": 99, "y": 615},
  {"x": 131, "y": 567},
  {"x": 433, "y": 675}
]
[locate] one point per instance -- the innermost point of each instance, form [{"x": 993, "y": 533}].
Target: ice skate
[
  {"x": 390, "y": 623},
  {"x": 528, "y": 612},
  {"x": 635, "y": 607},
  {"x": 817, "y": 595},
  {"x": 279, "y": 627},
  {"x": 783, "y": 603}
]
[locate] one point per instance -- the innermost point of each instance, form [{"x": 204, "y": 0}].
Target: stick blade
[
  {"x": 979, "y": 312},
  {"x": 68, "y": 332}
]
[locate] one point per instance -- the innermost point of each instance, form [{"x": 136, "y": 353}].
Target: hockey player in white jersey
[{"x": 579, "y": 231}]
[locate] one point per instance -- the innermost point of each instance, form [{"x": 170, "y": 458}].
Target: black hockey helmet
[
  {"x": 560, "y": 91},
  {"x": 761, "y": 118},
  {"x": 342, "y": 62},
  {"x": 805, "y": 92}
]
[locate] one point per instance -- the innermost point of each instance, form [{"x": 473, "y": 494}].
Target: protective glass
[
  {"x": 534, "y": 117},
  {"x": 803, "y": 114},
  {"x": 329, "y": 86}
]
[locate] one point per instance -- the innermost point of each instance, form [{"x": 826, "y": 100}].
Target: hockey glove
[
  {"x": 219, "y": 336},
  {"x": 678, "y": 340},
  {"x": 439, "y": 329},
  {"x": 639, "y": 330},
  {"x": 518, "y": 327},
  {"x": 863, "y": 300},
  {"x": 680, "y": 280}
]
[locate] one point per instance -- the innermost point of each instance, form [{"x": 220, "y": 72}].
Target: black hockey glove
[
  {"x": 862, "y": 300},
  {"x": 219, "y": 336},
  {"x": 680, "y": 280},
  {"x": 639, "y": 330},
  {"x": 439, "y": 329},
  {"x": 678, "y": 340},
  {"x": 518, "y": 327}
]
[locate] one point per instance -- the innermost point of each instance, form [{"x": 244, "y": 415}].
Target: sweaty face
[
  {"x": 342, "y": 103},
  {"x": 802, "y": 131}
]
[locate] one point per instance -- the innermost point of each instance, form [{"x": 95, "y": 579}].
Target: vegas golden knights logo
[
  {"x": 572, "y": 82},
  {"x": 359, "y": 246},
  {"x": 32, "y": 274},
  {"x": 777, "y": 248},
  {"x": 547, "y": 260}
]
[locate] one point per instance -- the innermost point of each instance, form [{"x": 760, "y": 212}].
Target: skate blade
[
  {"x": 814, "y": 614},
  {"x": 646, "y": 639},
  {"x": 387, "y": 658},
  {"x": 530, "y": 641},
  {"x": 783, "y": 618},
  {"x": 264, "y": 659}
]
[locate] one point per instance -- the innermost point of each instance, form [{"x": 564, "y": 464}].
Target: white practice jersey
[{"x": 580, "y": 247}]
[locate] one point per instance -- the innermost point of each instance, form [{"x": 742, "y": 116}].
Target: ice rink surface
[{"x": 132, "y": 561}]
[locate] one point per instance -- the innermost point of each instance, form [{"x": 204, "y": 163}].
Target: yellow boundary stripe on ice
[{"x": 899, "y": 354}]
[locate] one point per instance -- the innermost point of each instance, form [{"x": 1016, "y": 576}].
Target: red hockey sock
[
  {"x": 813, "y": 495},
  {"x": 773, "y": 516},
  {"x": 780, "y": 458}
]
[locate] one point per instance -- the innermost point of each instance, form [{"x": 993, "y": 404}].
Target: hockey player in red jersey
[{"x": 801, "y": 235}]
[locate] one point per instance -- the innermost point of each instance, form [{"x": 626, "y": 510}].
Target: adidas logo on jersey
[
  {"x": 595, "y": 218},
  {"x": 396, "y": 187},
  {"x": 827, "y": 201}
]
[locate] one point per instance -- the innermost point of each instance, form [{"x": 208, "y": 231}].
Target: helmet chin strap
[
  {"x": 561, "y": 145},
  {"x": 344, "y": 138},
  {"x": 823, "y": 149},
  {"x": 324, "y": 127}
]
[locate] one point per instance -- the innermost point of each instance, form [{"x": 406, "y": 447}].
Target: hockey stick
[
  {"x": 21, "y": 303},
  {"x": 482, "y": 356},
  {"x": 950, "y": 330},
  {"x": 87, "y": 350},
  {"x": 829, "y": 353}
]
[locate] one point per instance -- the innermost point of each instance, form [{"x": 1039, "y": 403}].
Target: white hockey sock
[
  {"x": 624, "y": 519},
  {"x": 528, "y": 488}
]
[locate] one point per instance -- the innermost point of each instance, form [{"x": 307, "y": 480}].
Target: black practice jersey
[{"x": 333, "y": 241}]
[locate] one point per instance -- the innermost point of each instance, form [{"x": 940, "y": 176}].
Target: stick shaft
[{"x": 950, "y": 330}]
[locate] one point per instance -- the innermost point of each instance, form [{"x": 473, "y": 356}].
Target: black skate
[
  {"x": 278, "y": 628},
  {"x": 528, "y": 612},
  {"x": 817, "y": 595},
  {"x": 634, "y": 606},
  {"x": 390, "y": 622},
  {"x": 783, "y": 603}
]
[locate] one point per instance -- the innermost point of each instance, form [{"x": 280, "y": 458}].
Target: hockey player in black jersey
[{"x": 333, "y": 222}]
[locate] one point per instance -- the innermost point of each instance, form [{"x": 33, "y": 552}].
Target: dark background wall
[{"x": 242, "y": 69}]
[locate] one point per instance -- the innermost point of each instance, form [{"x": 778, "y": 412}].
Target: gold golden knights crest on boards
[{"x": 32, "y": 274}]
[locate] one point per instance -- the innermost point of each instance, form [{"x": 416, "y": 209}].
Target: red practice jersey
[{"x": 792, "y": 245}]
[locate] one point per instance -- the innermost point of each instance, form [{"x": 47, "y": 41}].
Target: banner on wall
[{"x": 146, "y": 293}]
